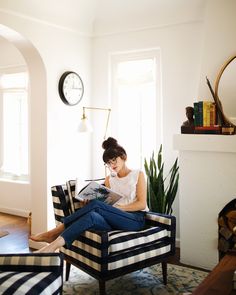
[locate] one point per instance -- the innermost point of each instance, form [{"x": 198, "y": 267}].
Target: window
[
  {"x": 14, "y": 125},
  {"x": 136, "y": 104}
]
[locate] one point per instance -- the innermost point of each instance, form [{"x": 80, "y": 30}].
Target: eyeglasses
[{"x": 111, "y": 162}]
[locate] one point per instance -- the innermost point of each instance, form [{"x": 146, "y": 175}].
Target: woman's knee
[
  {"x": 99, "y": 223},
  {"x": 94, "y": 216}
]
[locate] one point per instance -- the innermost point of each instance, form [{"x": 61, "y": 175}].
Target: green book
[
  {"x": 198, "y": 113},
  {"x": 200, "y": 109}
]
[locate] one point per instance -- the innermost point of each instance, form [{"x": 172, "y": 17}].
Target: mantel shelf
[{"x": 205, "y": 142}]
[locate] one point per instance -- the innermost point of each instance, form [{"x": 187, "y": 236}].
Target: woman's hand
[{"x": 84, "y": 202}]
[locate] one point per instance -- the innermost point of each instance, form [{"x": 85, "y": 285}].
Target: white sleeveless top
[{"x": 126, "y": 186}]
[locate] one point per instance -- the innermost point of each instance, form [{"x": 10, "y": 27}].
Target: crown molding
[
  {"x": 45, "y": 23},
  {"x": 147, "y": 28}
]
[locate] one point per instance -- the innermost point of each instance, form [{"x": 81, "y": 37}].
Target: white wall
[
  {"x": 189, "y": 51},
  {"x": 64, "y": 152},
  {"x": 181, "y": 49},
  {"x": 219, "y": 41},
  {"x": 10, "y": 55},
  {"x": 15, "y": 198}
]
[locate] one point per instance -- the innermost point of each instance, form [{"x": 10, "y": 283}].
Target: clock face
[{"x": 71, "y": 88}]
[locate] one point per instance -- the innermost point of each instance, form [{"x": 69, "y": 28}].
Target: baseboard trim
[{"x": 14, "y": 211}]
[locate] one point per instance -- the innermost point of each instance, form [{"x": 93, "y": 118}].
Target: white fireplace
[{"x": 207, "y": 166}]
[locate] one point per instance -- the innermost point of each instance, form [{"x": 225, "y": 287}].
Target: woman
[{"x": 127, "y": 214}]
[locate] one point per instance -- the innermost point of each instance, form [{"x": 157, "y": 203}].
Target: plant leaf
[{"x": 161, "y": 191}]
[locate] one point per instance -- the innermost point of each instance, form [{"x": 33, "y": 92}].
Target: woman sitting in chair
[{"x": 127, "y": 214}]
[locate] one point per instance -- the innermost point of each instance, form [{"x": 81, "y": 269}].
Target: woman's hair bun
[
  {"x": 112, "y": 150},
  {"x": 110, "y": 142}
]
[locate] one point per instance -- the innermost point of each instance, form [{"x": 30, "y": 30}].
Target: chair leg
[
  {"x": 68, "y": 265},
  {"x": 164, "y": 272},
  {"x": 102, "y": 287}
]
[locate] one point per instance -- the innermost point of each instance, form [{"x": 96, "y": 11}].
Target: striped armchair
[
  {"x": 31, "y": 273},
  {"x": 107, "y": 255}
]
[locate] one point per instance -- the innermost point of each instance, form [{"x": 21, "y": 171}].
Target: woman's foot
[
  {"x": 48, "y": 236},
  {"x": 43, "y": 237},
  {"x": 52, "y": 247}
]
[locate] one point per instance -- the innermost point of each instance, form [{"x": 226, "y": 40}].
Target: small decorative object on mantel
[
  {"x": 188, "y": 126},
  {"x": 228, "y": 128}
]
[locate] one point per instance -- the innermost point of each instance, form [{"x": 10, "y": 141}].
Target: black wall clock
[{"x": 71, "y": 88}]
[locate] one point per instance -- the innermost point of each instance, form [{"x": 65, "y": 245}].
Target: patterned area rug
[{"x": 181, "y": 280}]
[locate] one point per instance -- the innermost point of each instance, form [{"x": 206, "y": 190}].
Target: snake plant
[{"x": 161, "y": 190}]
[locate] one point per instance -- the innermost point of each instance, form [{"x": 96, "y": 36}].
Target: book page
[
  {"x": 80, "y": 185},
  {"x": 95, "y": 190}
]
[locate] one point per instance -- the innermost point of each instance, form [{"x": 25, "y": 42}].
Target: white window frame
[
  {"x": 117, "y": 57},
  {"x": 3, "y": 174}
]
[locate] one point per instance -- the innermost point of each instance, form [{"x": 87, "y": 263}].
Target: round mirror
[{"x": 225, "y": 89}]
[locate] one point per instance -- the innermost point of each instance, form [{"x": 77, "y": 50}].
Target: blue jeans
[{"x": 98, "y": 215}]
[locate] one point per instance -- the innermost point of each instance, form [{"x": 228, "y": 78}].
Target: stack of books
[{"x": 205, "y": 118}]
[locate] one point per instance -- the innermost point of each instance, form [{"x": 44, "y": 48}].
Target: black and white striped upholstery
[
  {"x": 106, "y": 255},
  {"x": 31, "y": 273}
]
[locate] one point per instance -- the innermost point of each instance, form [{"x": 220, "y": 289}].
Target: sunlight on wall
[
  {"x": 14, "y": 101},
  {"x": 135, "y": 107}
]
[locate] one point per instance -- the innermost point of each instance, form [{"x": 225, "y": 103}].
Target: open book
[{"x": 98, "y": 191}]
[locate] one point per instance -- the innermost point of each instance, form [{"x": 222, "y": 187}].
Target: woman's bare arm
[{"x": 107, "y": 183}]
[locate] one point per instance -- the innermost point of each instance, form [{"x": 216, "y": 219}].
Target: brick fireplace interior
[{"x": 227, "y": 228}]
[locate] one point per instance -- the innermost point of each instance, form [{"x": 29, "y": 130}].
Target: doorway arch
[{"x": 37, "y": 124}]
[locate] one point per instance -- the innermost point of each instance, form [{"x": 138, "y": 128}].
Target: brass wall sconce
[{"x": 85, "y": 125}]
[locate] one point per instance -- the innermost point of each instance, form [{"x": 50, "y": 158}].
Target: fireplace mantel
[
  {"x": 207, "y": 166},
  {"x": 207, "y": 143}
]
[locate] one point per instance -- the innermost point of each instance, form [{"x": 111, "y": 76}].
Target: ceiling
[{"x": 106, "y": 16}]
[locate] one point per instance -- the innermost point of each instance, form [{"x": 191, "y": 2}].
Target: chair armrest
[
  {"x": 32, "y": 262},
  {"x": 162, "y": 220}
]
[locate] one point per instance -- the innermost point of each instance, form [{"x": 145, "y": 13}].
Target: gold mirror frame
[{"x": 225, "y": 120}]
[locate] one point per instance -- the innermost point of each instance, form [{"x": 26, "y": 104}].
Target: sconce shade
[{"x": 85, "y": 125}]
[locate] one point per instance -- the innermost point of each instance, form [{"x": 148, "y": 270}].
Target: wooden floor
[{"x": 17, "y": 240}]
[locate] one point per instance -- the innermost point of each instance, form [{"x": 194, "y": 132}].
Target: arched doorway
[{"x": 38, "y": 126}]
